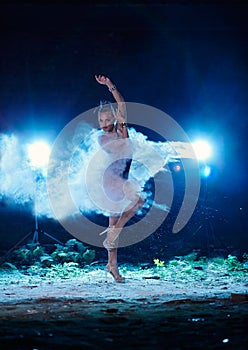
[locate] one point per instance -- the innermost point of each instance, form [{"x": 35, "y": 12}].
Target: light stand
[
  {"x": 38, "y": 157},
  {"x": 37, "y": 231}
]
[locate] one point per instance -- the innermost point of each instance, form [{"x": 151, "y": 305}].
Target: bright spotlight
[
  {"x": 202, "y": 149},
  {"x": 38, "y": 153}
]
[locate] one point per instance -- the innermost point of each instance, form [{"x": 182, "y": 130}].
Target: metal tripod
[{"x": 37, "y": 232}]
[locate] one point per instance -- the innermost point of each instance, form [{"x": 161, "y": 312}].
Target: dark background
[{"x": 187, "y": 58}]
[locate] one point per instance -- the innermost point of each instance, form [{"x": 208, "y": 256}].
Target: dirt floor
[{"x": 146, "y": 312}]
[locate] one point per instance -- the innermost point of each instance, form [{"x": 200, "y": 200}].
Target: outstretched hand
[
  {"x": 120, "y": 112},
  {"x": 101, "y": 79}
]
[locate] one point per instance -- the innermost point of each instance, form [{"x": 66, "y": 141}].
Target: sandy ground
[
  {"x": 98, "y": 286},
  {"x": 146, "y": 312}
]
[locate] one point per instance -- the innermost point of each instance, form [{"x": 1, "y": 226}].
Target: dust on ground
[{"x": 92, "y": 311}]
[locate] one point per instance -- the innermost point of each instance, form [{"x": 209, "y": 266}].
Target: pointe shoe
[
  {"x": 113, "y": 270},
  {"x": 111, "y": 241}
]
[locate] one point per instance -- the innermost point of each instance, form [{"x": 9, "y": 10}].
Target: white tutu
[{"x": 97, "y": 179}]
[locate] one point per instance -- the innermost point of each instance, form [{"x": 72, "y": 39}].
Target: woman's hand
[
  {"x": 101, "y": 79},
  {"x": 120, "y": 112}
]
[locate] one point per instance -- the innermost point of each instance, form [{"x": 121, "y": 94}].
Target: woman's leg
[
  {"x": 112, "y": 255},
  {"x": 118, "y": 223},
  {"x": 129, "y": 212}
]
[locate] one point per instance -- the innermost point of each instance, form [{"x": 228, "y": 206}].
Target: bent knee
[{"x": 141, "y": 201}]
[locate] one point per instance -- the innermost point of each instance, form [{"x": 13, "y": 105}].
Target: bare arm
[{"x": 120, "y": 113}]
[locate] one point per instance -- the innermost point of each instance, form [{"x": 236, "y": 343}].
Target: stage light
[
  {"x": 38, "y": 153},
  {"x": 38, "y": 156},
  {"x": 177, "y": 168},
  {"x": 202, "y": 149}
]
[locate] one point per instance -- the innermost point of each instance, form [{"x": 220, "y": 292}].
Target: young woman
[{"x": 114, "y": 141}]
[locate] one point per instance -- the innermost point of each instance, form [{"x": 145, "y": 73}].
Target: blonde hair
[{"x": 105, "y": 106}]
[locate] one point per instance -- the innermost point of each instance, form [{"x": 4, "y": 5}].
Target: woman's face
[{"x": 106, "y": 121}]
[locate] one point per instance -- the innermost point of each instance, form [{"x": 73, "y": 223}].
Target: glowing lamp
[
  {"x": 177, "y": 168},
  {"x": 202, "y": 149},
  {"x": 38, "y": 153}
]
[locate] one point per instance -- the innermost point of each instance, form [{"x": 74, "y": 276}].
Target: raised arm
[{"x": 120, "y": 113}]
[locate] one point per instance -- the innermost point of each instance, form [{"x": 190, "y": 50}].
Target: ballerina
[{"x": 115, "y": 179}]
